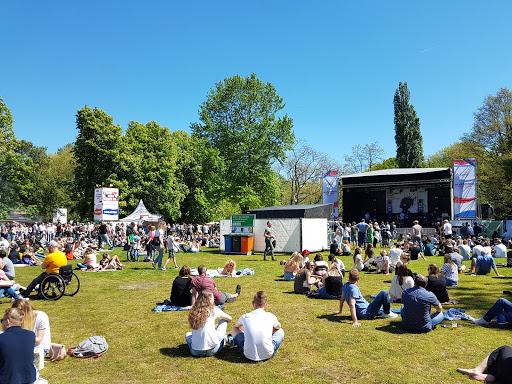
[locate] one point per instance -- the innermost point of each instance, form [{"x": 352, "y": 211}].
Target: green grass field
[{"x": 149, "y": 347}]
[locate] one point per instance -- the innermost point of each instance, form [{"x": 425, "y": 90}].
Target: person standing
[
  {"x": 416, "y": 231},
  {"x": 269, "y": 242},
  {"x": 16, "y": 350},
  {"x": 262, "y": 333},
  {"x": 104, "y": 236}
]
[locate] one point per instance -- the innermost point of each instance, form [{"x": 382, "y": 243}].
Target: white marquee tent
[{"x": 141, "y": 214}]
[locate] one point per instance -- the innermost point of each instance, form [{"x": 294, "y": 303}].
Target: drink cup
[{"x": 454, "y": 326}]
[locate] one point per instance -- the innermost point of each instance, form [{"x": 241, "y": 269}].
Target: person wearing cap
[{"x": 51, "y": 264}]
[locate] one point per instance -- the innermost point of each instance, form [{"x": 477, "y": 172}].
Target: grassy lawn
[{"x": 149, "y": 347}]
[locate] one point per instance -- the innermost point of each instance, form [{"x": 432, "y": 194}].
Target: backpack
[
  {"x": 57, "y": 352},
  {"x": 91, "y": 348}
]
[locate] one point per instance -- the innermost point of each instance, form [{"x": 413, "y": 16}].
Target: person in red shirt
[{"x": 202, "y": 282}]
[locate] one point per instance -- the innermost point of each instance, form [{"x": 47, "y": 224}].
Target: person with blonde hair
[
  {"x": 450, "y": 272},
  {"x": 332, "y": 283},
  {"x": 36, "y": 321},
  {"x": 206, "y": 339},
  {"x": 16, "y": 349},
  {"x": 229, "y": 268},
  {"x": 292, "y": 266}
]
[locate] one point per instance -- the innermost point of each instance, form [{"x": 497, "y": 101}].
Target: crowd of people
[{"x": 258, "y": 334}]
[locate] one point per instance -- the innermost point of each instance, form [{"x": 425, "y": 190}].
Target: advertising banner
[
  {"x": 330, "y": 190},
  {"x": 242, "y": 223},
  {"x": 60, "y": 215},
  {"x": 106, "y": 212},
  {"x": 106, "y": 204},
  {"x": 106, "y": 195},
  {"x": 464, "y": 188}
]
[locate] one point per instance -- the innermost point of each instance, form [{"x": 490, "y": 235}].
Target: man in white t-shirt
[
  {"x": 394, "y": 255},
  {"x": 261, "y": 335},
  {"x": 465, "y": 250},
  {"x": 447, "y": 229},
  {"x": 500, "y": 250}
]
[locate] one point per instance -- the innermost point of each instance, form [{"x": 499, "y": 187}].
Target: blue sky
[{"x": 337, "y": 64}]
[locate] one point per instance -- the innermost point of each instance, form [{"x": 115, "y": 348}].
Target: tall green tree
[
  {"x": 96, "y": 152},
  {"x": 409, "y": 142},
  {"x": 492, "y": 134},
  {"x": 147, "y": 169},
  {"x": 239, "y": 119}
]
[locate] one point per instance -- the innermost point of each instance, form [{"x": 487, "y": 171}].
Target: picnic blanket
[
  {"x": 218, "y": 272},
  {"x": 457, "y": 314},
  {"x": 167, "y": 307}
]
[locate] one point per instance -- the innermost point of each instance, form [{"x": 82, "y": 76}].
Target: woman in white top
[
  {"x": 206, "y": 339},
  {"x": 401, "y": 281},
  {"x": 358, "y": 259},
  {"x": 450, "y": 272},
  {"x": 36, "y": 321}
]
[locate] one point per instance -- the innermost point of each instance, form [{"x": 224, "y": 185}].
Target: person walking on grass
[
  {"x": 360, "y": 309},
  {"x": 269, "y": 242}
]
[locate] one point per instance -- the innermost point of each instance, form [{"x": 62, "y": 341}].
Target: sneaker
[
  {"x": 238, "y": 289},
  {"x": 153, "y": 264},
  {"x": 229, "y": 341},
  {"x": 162, "y": 269},
  {"x": 176, "y": 267},
  {"x": 390, "y": 315},
  {"x": 480, "y": 321}
]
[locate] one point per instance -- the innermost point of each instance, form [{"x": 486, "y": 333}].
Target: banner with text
[
  {"x": 464, "y": 188},
  {"x": 330, "y": 190}
]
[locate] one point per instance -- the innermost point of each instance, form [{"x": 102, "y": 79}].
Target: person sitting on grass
[
  {"x": 181, "y": 286},
  {"x": 206, "y": 339},
  {"x": 262, "y": 333},
  {"x": 229, "y": 268},
  {"x": 338, "y": 263},
  {"x": 437, "y": 284},
  {"x": 360, "y": 309},
  {"x": 292, "y": 266},
  {"x": 417, "y": 302},
  {"x": 450, "y": 272},
  {"x": 202, "y": 282},
  {"x": 37, "y": 322},
  {"x": 358, "y": 259},
  {"x": 305, "y": 279},
  {"x": 400, "y": 282},
  {"x": 110, "y": 263},
  {"x": 502, "y": 310},
  {"x": 382, "y": 262},
  {"x": 497, "y": 366},
  {"x": 483, "y": 264},
  {"x": 346, "y": 248},
  {"x": 332, "y": 283},
  {"x": 321, "y": 265},
  {"x": 8, "y": 287}
]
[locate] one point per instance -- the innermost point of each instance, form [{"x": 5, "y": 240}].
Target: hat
[
  {"x": 331, "y": 256},
  {"x": 305, "y": 253},
  {"x": 53, "y": 243}
]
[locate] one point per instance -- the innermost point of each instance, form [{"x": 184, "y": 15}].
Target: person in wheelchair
[{"x": 51, "y": 264}]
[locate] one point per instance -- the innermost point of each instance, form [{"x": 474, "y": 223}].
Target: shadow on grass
[
  {"x": 334, "y": 318},
  {"x": 293, "y": 293},
  {"x": 394, "y": 327},
  {"x": 179, "y": 351},
  {"x": 279, "y": 280}
]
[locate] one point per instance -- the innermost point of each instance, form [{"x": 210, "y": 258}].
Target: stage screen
[{"x": 407, "y": 200}]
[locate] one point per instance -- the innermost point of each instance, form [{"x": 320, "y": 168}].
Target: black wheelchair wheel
[
  {"x": 72, "y": 286},
  {"x": 52, "y": 287}
]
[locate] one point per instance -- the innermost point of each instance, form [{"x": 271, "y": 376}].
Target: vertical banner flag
[
  {"x": 464, "y": 188},
  {"x": 330, "y": 190}
]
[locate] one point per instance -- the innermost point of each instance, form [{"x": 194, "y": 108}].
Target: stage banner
[
  {"x": 330, "y": 189},
  {"x": 464, "y": 188}
]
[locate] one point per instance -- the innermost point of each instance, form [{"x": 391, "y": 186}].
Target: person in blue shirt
[
  {"x": 362, "y": 227},
  {"x": 484, "y": 264},
  {"x": 16, "y": 350},
  {"x": 417, "y": 302},
  {"x": 360, "y": 309}
]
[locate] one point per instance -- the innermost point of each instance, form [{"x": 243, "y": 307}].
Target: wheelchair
[{"x": 56, "y": 285}]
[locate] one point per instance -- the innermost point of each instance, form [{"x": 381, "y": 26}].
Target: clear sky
[{"x": 337, "y": 64}]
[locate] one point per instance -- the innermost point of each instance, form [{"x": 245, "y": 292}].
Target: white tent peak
[{"x": 141, "y": 214}]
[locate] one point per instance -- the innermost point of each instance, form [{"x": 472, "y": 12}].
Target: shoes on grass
[
  {"x": 480, "y": 321},
  {"x": 162, "y": 269},
  {"x": 390, "y": 315},
  {"x": 238, "y": 289}
]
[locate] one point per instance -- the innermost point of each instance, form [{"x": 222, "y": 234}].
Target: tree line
[{"x": 241, "y": 154}]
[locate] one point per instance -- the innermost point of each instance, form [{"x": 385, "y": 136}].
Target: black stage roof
[
  {"x": 398, "y": 177},
  {"x": 294, "y": 211}
]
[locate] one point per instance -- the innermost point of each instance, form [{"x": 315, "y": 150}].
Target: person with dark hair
[
  {"x": 437, "y": 284},
  {"x": 181, "y": 286},
  {"x": 262, "y": 333},
  {"x": 497, "y": 366},
  {"x": 16, "y": 349},
  {"x": 400, "y": 282},
  {"x": 359, "y": 307},
  {"x": 8, "y": 268},
  {"x": 417, "y": 302},
  {"x": 321, "y": 265},
  {"x": 205, "y": 282},
  {"x": 269, "y": 241}
]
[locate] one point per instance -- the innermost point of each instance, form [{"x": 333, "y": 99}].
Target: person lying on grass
[
  {"x": 262, "y": 333},
  {"x": 502, "y": 310},
  {"x": 107, "y": 263},
  {"x": 497, "y": 366},
  {"x": 360, "y": 309},
  {"x": 229, "y": 268},
  {"x": 206, "y": 339}
]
